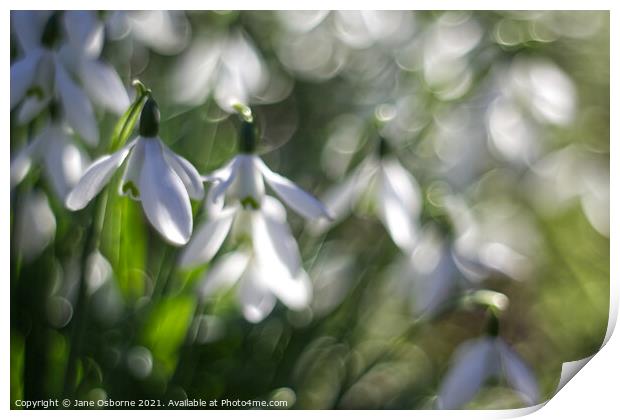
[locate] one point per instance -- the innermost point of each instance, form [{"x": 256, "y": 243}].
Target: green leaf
[
  {"x": 123, "y": 243},
  {"x": 167, "y": 327}
]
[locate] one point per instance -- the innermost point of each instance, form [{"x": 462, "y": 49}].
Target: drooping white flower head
[
  {"x": 468, "y": 252},
  {"x": 392, "y": 189},
  {"x": 154, "y": 175},
  {"x": 63, "y": 161},
  {"x": 58, "y": 49},
  {"x": 244, "y": 177},
  {"x": 164, "y": 31},
  {"x": 269, "y": 269},
  {"x": 225, "y": 65},
  {"x": 476, "y": 361},
  {"x": 272, "y": 266}
]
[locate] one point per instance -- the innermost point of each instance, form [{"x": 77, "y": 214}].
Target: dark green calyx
[
  {"x": 384, "y": 147},
  {"x": 52, "y": 31},
  {"x": 247, "y": 137},
  {"x": 149, "y": 119}
]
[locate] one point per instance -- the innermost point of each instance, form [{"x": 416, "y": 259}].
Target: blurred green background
[{"x": 508, "y": 111}]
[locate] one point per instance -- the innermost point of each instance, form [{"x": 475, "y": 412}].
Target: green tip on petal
[
  {"x": 133, "y": 190},
  {"x": 249, "y": 202}
]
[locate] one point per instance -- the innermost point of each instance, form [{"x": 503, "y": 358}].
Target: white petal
[
  {"x": 188, "y": 174},
  {"x": 35, "y": 224},
  {"x": 274, "y": 246},
  {"x": 473, "y": 363},
  {"x": 31, "y": 107},
  {"x": 22, "y": 162},
  {"x": 28, "y": 26},
  {"x": 77, "y": 107},
  {"x": 434, "y": 276},
  {"x": 213, "y": 207},
  {"x": 256, "y": 300},
  {"x": 85, "y": 31},
  {"x": 277, "y": 254},
  {"x": 230, "y": 90},
  {"x": 222, "y": 173},
  {"x": 165, "y": 31},
  {"x": 399, "y": 204},
  {"x": 103, "y": 85},
  {"x": 95, "y": 177},
  {"x": 189, "y": 85},
  {"x": 404, "y": 184},
  {"x": 274, "y": 209},
  {"x": 64, "y": 161},
  {"x": 224, "y": 273},
  {"x": 228, "y": 175},
  {"x": 164, "y": 198},
  {"x": 248, "y": 181},
  {"x": 43, "y": 81},
  {"x": 20, "y": 165},
  {"x": 341, "y": 199},
  {"x": 294, "y": 292},
  {"x": 208, "y": 239},
  {"x": 117, "y": 25},
  {"x": 296, "y": 198},
  {"x": 23, "y": 73},
  {"x": 70, "y": 58},
  {"x": 518, "y": 374},
  {"x": 243, "y": 63},
  {"x": 130, "y": 182}
]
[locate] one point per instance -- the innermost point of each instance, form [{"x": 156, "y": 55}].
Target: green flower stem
[
  {"x": 80, "y": 314},
  {"x": 165, "y": 272},
  {"x": 125, "y": 125}
]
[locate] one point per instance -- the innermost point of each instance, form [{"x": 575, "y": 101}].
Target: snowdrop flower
[
  {"x": 226, "y": 65},
  {"x": 243, "y": 178},
  {"x": 476, "y": 361},
  {"x": 59, "y": 47},
  {"x": 62, "y": 160},
  {"x": 391, "y": 188},
  {"x": 267, "y": 270},
  {"x": 164, "y": 31},
  {"x": 468, "y": 252},
  {"x": 498, "y": 239},
  {"x": 154, "y": 175},
  {"x": 272, "y": 267}
]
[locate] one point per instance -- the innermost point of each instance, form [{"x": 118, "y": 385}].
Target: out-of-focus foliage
[{"x": 502, "y": 118}]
